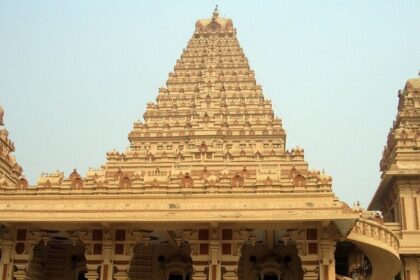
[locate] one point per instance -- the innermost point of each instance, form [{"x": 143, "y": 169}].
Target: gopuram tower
[
  {"x": 398, "y": 194},
  {"x": 205, "y": 191}
]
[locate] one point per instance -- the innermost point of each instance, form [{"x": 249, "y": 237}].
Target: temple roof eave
[{"x": 130, "y": 208}]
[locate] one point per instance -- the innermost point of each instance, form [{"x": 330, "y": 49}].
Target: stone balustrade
[
  {"x": 380, "y": 245},
  {"x": 377, "y": 232}
]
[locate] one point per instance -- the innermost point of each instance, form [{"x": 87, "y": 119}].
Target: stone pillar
[
  {"x": 215, "y": 267},
  {"x": 21, "y": 271},
  {"x": 121, "y": 272},
  {"x": 98, "y": 254},
  {"x": 230, "y": 271},
  {"x": 230, "y": 266},
  {"x": 200, "y": 264},
  {"x": 327, "y": 267},
  {"x": 6, "y": 264},
  {"x": 92, "y": 271},
  {"x": 107, "y": 266},
  {"x": 199, "y": 270},
  {"x": 23, "y": 253}
]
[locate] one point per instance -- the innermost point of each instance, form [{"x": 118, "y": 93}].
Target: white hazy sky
[{"x": 75, "y": 75}]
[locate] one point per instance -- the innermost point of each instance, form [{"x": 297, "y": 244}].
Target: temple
[{"x": 207, "y": 190}]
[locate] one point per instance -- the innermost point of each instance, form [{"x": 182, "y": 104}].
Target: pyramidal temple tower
[
  {"x": 205, "y": 191},
  {"x": 211, "y": 130},
  {"x": 398, "y": 194}
]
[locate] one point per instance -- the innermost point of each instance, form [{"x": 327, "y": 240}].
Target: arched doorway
[
  {"x": 176, "y": 276},
  {"x": 59, "y": 259},
  {"x": 161, "y": 261},
  {"x": 259, "y": 263},
  {"x": 270, "y": 276},
  {"x": 351, "y": 262}
]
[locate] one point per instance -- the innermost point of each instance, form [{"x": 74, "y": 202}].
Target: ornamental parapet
[
  {"x": 374, "y": 231},
  {"x": 380, "y": 245}
]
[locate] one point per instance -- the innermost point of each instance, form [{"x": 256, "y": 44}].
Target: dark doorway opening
[
  {"x": 350, "y": 261},
  {"x": 270, "y": 277},
  {"x": 176, "y": 277}
]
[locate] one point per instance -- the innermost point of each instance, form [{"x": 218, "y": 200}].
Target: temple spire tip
[{"x": 216, "y": 12}]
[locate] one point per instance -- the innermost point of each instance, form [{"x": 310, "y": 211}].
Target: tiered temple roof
[
  {"x": 401, "y": 155},
  {"x": 10, "y": 170},
  {"x": 207, "y": 168},
  {"x": 404, "y": 135},
  {"x": 210, "y": 130}
]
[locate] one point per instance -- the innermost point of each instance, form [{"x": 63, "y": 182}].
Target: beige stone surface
[{"x": 207, "y": 185}]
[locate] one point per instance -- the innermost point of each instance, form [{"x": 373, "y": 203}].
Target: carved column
[
  {"x": 231, "y": 264},
  {"x": 6, "y": 262},
  {"x": 92, "y": 271},
  {"x": 98, "y": 254},
  {"x": 327, "y": 269},
  {"x": 215, "y": 268},
  {"x": 20, "y": 273},
  {"x": 123, "y": 253},
  {"x": 92, "y": 241},
  {"x": 107, "y": 267},
  {"x": 199, "y": 264},
  {"x": 199, "y": 270},
  {"x": 121, "y": 272},
  {"x": 231, "y": 271},
  {"x": 23, "y": 253}
]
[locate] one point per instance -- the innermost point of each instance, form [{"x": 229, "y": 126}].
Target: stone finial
[
  {"x": 357, "y": 208},
  {"x": 215, "y": 13}
]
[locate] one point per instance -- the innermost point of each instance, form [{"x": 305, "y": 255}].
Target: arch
[
  {"x": 237, "y": 181},
  {"x": 77, "y": 183},
  {"x": 299, "y": 181},
  {"x": 125, "y": 182},
  {"x": 161, "y": 261},
  {"x": 22, "y": 184},
  {"x": 187, "y": 181},
  {"x": 203, "y": 147},
  {"x": 350, "y": 260},
  {"x": 178, "y": 268},
  {"x": 59, "y": 250},
  {"x": 258, "y": 262}
]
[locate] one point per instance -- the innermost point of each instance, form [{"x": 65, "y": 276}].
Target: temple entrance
[
  {"x": 176, "y": 277},
  {"x": 351, "y": 262},
  {"x": 58, "y": 259},
  {"x": 270, "y": 277},
  {"x": 260, "y": 263},
  {"x": 161, "y": 262}
]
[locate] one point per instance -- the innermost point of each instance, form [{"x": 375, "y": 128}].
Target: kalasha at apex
[{"x": 207, "y": 191}]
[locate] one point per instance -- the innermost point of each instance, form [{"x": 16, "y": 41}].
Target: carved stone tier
[{"x": 10, "y": 170}]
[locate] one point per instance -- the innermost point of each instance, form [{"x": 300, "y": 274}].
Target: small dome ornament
[{"x": 215, "y": 13}]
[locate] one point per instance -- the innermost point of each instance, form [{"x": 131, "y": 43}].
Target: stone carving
[
  {"x": 51, "y": 179},
  {"x": 22, "y": 184},
  {"x": 375, "y": 231},
  {"x": 237, "y": 181},
  {"x": 125, "y": 182},
  {"x": 1, "y": 116},
  {"x": 76, "y": 182}
]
